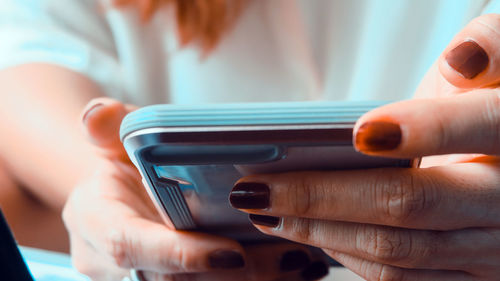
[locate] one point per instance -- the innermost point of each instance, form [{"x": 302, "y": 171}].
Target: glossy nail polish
[
  {"x": 294, "y": 260},
  {"x": 314, "y": 271},
  {"x": 90, "y": 111},
  {"x": 249, "y": 195},
  {"x": 468, "y": 59},
  {"x": 378, "y": 136},
  {"x": 226, "y": 259},
  {"x": 269, "y": 221}
]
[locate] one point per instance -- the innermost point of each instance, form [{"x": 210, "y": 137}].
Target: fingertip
[
  {"x": 250, "y": 195},
  {"x": 295, "y": 259},
  {"x": 222, "y": 256},
  {"x": 101, "y": 120},
  {"x": 96, "y": 103},
  {"x": 377, "y": 132},
  {"x": 315, "y": 271},
  {"x": 206, "y": 252},
  {"x": 377, "y": 136},
  {"x": 428, "y": 127},
  {"x": 226, "y": 259},
  {"x": 90, "y": 109},
  {"x": 386, "y": 130},
  {"x": 264, "y": 221},
  {"x": 470, "y": 59},
  {"x": 465, "y": 65}
]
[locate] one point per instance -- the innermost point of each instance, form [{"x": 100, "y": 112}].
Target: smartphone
[{"x": 190, "y": 156}]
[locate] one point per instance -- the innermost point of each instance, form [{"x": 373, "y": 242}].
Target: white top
[{"x": 278, "y": 50}]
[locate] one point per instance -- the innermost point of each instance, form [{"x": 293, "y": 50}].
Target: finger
[
  {"x": 472, "y": 59},
  {"x": 439, "y": 198},
  {"x": 269, "y": 261},
  {"x": 405, "y": 248},
  {"x": 374, "y": 271},
  {"x": 265, "y": 262},
  {"x": 90, "y": 263},
  {"x": 468, "y": 123},
  {"x": 102, "y": 118},
  {"x": 126, "y": 239},
  {"x": 274, "y": 261},
  {"x": 145, "y": 245},
  {"x": 228, "y": 275}
]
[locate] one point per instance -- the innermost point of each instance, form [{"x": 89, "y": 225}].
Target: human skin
[
  {"x": 444, "y": 125},
  {"x": 33, "y": 223},
  {"x": 114, "y": 226},
  {"x": 437, "y": 222},
  {"x": 38, "y": 100},
  {"x": 38, "y": 167}
]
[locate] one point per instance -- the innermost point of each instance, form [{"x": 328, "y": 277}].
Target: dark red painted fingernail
[
  {"x": 468, "y": 59},
  {"x": 91, "y": 111},
  {"x": 269, "y": 221},
  {"x": 315, "y": 271},
  {"x": 294, "y": 260},
  {"x": 249, "y": 195},
  {"x": 226, "y": 259},
  {"x": 378, "y": 136}
]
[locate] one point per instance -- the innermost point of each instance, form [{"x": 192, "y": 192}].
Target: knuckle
[
  {"x": 492, "y": 115},
  {"x": 179, "y": 260},
  {"x": 301, "y": 230},
  {"x": 400, "y": 246},
  {"x": 305, "y": 196},
  {"x": 387, "y": 244},
  {"x": 300, "y": 198},
  {"x": 405, "y": 199},
  {"x": 118, "y": 248},
  {"x": 442, "y": 137}
]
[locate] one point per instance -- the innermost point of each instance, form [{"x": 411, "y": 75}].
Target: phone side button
[{"x": 158, "y": 205}]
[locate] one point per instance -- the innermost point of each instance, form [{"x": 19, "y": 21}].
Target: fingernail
[
  {"x": 378, "y": 136},
  {"x": 269, "y": 221},
  {"x": 91, "y": 111},
  {"x": 314, "y": 271},
  {"x": 294, "y": 260},
  {"x": 249, "y": 195},
  {"x": 468, "y": 59},
  {"x": 226, "y": 259}
]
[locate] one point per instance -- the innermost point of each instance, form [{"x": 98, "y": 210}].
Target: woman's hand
[
  {"x": 439, "y": 222},
  {"x": 114, "y": 226}
]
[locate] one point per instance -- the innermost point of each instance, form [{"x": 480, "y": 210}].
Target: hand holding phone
[{"x": 190, "y": 156}]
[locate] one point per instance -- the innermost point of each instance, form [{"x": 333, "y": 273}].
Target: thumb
[
  {"x": 101, "y": 119},
  {"x": 472, "y": 59}
]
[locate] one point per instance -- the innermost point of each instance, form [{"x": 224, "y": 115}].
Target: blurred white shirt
[{"x": 278, "y": 50}]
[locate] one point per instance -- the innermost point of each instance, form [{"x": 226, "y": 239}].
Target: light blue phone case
[{"x": 190, "y": 156}]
